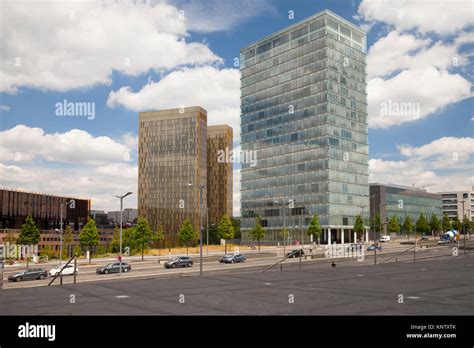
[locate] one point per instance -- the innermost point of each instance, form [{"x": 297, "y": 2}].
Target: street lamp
[
  {"x": 201, "y": 189},
  {"x": 61, "y": 230},
  {"x": 284, "y": 221},
  {"x": 121, "y": 223}
]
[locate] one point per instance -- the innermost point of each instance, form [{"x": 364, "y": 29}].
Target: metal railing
[
  {"x": 287, "y": 256},
  {"x": 60, "y": 273}
]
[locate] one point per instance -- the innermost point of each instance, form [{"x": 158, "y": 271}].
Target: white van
[{"x": 384, "y": 239}]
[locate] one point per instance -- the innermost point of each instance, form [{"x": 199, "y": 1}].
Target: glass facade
[
  {"x": 400, "y": 201},
  {"x": 219, "y": 173},
  {"x": 172, "y": 153},
  {"x": 304, "y": 112}
]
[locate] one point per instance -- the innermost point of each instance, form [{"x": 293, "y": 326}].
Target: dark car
[
  {"x": 295, "y": 253},
  {"x": 225, "y": 257},
  {"x": 29, "y": 274},
  {"x": 182, "y": 261},
  {"x": 373, "y": 247},
  {"x": 423, "y": 237},
  {"x": 113, "y": 268},
  {"x": 235, "y": 258}
]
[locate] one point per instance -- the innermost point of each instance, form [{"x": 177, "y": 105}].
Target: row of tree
[
  {"x": 422, "y": 225},
  {"x": 140, "y": 237}
]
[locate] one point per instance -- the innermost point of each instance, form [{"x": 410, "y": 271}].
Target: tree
[
  {"x": 422, "y": 225},
  {"x": 466, "y": 223},
  {"x": 408, "y": 226},
  {"x": 314, "y": 228},
  {"x": 359, "y": 226},
  {"x": 236, "y": 225},
  {"x": 447, "y": 226},
  {"x": 285, "y": 233},
  {"x": 68, "y": 240},
  {"x": 375, "y": 223},
  {"x": 457, "y": 224},
  {"x": 47, "y": 251},
  {"x": 393, "y": 226},
  {"x": 225, "y": 230},
  {"x": 29, "y": 235},
  {"x": 129, "y": 240},
  {"x": 258, "y": 232},
  {"x": 158, "y": 237},
  {"x": 89, "y": 236},
  {"x": 435, "y": 224},
  {"x": 143, "y": 234},
  {"x": 77, "y": 250},
  {"x": 115, "y": 245},
  {"x": 186, "y": 233}
]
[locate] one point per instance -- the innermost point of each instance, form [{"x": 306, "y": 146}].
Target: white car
[
  {"x": 69, "y": 270},
  {"x": 384, "y": 239}
]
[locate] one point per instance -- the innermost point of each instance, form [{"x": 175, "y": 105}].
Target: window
[
  {"x": 350, "y": 200},
  {"x": 345, "y": 221}
]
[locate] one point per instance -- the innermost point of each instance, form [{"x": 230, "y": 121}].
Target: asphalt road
[
  {"x": 436, "y": 284},
  {"x": 151, "y": 267}
]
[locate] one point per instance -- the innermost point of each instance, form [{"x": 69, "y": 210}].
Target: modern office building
[
  {"x": 304, "y": 111},
  {"x": 219, "y": 172},
  {"x": 457, "y": 204},
  {"x": 16, "y": 205},
  {"x": 172, "y": 153},
  {"x": 129, "y": 215},
  {"x": 389, "y": 200}
]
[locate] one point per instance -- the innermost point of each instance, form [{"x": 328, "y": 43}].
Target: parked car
[
  {"x": 444, "y": 242},
  {"x": 68, "y": 270},
  {"x": 225, "y": 257},
  {"x": 182, "y": 261},
  {"x": 384, "y": 239},
  {"x": 423, "y": 237},
  {"x": 295, "y": 253},
  {"x": 235, "y": 258},
  {"x": 114, "y": 268},
  {"x": 28, "y": 274},
  {"x": 373, "y": 247}
]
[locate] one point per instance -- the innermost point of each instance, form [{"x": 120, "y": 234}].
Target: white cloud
[
  {"x": 97, "y": 184},
  {"x": 81, "y": 43},
  {"x": 217, "y": 15},
  {"x": 409, "y": 66},
  {"x": 429, "y": 88},
  {"x": 4, "y": 108},
  {"x": 23, "y": 144},
  {"x": 74, "y": 163},
  {"x": 217, "y": 91},
  {"x": 442, "y": 17},
  {"x": 442, "y": 165}
]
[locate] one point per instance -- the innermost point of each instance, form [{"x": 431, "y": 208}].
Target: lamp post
[
  {"x": 201, "y": 189},
  {"x": 61, "y": 230},
  {"x": 121, "y": 223},
  {"x": 463, "y": 225},
  {"x": 284, "y": 221}
]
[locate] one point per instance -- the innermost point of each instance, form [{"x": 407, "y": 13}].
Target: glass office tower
[
  {"x": 172, "y": 152},
  {"x": 304, "y": 111}
]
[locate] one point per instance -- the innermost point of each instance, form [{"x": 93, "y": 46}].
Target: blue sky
[{"x": 418, "y": 52}]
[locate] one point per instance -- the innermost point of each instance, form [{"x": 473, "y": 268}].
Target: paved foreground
[{"x": 434, "y": 286}]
